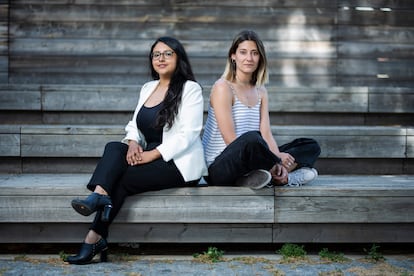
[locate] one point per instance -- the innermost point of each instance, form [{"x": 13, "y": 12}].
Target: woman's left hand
[{"x": 288, "y": 161}]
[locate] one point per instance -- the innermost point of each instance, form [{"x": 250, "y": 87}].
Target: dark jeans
[
  {"x": 121, "y": 180},
  {"x": 251, "y": 152}
]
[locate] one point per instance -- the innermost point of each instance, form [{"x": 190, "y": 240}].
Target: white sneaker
[
  {"x": 255, "y": 180},
  {"x": 302, "y": 176}
]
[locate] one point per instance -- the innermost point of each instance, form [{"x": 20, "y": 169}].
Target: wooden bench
[
  {"x": 35, "y": 208},
  {"x": 76, "y": 148},
  {"x": 114, "y": 104}
]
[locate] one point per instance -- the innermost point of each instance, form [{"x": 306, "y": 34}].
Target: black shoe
[
  {"x": 88, "y": 251},
  {"x": 93, "y": 203}
]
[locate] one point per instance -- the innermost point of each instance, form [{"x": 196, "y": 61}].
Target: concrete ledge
[{"x": 331, "y": 209}]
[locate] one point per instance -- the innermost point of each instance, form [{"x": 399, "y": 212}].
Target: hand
[
  {"x": 134, "y": 154},
  {"x": 279, "y": 174},
  {"x": 288, "y": 161},
  {"x": 149, "y": 156}
]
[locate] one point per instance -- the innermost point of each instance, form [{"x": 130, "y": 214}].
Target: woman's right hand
[{"x": 134, "y": 153}]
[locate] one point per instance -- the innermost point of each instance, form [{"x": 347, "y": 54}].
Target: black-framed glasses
[{"x": 166, "y": 54}]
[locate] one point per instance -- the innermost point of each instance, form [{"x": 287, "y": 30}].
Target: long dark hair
[{"x": 182, "y": 73}]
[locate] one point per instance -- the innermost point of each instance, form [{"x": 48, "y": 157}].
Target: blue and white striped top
[{"x": 245, "y": 119}]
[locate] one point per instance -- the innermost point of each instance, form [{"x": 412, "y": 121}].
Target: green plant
[
  {"x": 332, "y": 256},
  {"x": 291, "y": 250},
  {"x": 211, "y": 255},
  {"x": 374, "y": 254},
  {"x": 63, "y": 256}
]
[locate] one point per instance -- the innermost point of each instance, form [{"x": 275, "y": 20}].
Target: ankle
[
  {"x": 92, "y": 237},
  {"x": 100, "y": 190}
]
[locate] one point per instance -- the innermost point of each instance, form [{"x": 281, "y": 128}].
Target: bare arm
[
  {"x": 221, "y": 99},
  {"x": 266, "y": 131}
]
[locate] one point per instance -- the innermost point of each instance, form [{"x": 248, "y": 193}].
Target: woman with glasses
[
  {"x": 162, "y": 148},
  {"x": 238, "y": 142}
]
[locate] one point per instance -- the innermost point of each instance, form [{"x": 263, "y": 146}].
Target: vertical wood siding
[{"x": 319, "y": 43}]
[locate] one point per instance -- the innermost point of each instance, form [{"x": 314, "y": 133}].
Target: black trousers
[
  {"x": 251, "y": 152},
  {"x": 121, "y": 180}
]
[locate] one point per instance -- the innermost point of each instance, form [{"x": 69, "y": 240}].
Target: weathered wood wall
[
  {"x": 4, "y": 42},
  {"x": 320, "y": 43}
]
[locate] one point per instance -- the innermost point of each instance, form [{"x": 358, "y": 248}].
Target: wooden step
[
  {"x": 76, "y": 148},
  {"x": 113, "y": 98},
  {"x": 361, "y": 209}
]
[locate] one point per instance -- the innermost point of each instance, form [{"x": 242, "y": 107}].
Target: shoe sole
[
  {"x": 262, "y": 183},
  {"x": 81, "y": 209}
]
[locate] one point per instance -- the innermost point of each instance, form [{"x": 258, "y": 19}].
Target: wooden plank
[
  {"x": 93, "y": 98},
  {"x": 371, "y": 34},
  {"x": 334, "y": 99},
  {"x": 226, "y": 233},
  {"x": 139, "y": 47},
  {"x": 336, "y": 142},
  {"x": 134, "y": 70},
  {"x": 184, "y": 30},
  {"x": 118, "y": 98},
  {"x": 145, "y": 209},
  {"x": 173, "y": 14},
  {"x": 199, "y": 209},
  {"x": 369, "y": 186},
  {"x": 410, "y": 143},
  {"x": 165, "y": 233},
  {"x": 20, "y": 97},
  {"x": 4, "y": 11},
  {"x": 340, "y": 233},
  {"x": 318, "y": 81},
  {"x": 381, "y": 52},
  {"x": 344, "y": 209},
  {"x": 356, "y": 146},
  {"x": 214, "y": 3},
  {"x": 376, "y": 17},
  {"x": 4, "y": 45},
  {"x": 10, "y": 144},
  {"x": 74, "y": 185},
  {"x": 374, "y": 80},
  {"x": 138, "y": 65},
  {"x": 391, "y": 100},
  {"x": 86, "y": 118},
  {"x": 397, "y": 69},
  {"x": 73, "y": 129},
  {"x": 349, "y": 142},
  {"x": 38, "y": 145},
  {"x": 395, "y": 4}
]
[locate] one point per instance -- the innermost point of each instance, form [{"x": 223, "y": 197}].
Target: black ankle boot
[
  {"x": 88, "y": 251},
  {"x": 93, "y": 203}
]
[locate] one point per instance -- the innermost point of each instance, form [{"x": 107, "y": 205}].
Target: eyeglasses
[{"x": 166, "y": 54}]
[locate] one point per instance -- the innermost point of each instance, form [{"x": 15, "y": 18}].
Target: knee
[
  {"x": 115, "y": 146},
  {"x": 315, "y": 147},
  {"x": 252, "y": 137}
]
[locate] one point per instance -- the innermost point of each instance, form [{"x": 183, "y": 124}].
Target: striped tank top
[{"x": 245, "y": 119}]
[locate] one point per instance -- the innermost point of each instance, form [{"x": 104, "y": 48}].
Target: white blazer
[{"x": 182, "y": 142}]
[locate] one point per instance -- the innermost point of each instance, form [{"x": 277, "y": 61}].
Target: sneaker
[
  {"x": 301, "y": 176},
  {"x": 255, "y": 180}
]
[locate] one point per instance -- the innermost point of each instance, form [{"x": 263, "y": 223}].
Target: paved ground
[{"x": 183, "y": 265}]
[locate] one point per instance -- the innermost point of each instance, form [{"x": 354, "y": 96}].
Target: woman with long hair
[
  {"x": 238, "y": 142},
  {"x": 162, "y": 148}
]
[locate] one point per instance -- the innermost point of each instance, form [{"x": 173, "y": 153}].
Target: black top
[{"x": 146, "y": 120}]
